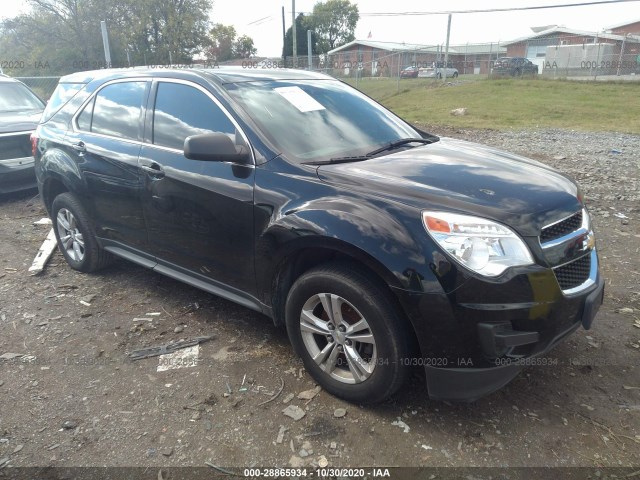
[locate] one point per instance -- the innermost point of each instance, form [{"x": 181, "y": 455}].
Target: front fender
[{"x": 379, "y": 235}]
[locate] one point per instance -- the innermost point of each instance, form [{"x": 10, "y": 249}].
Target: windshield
[
  {"x": 319, "y": 119},
  {"x": 15, "y": 97}
]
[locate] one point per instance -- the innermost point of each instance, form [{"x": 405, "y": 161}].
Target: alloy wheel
[
  {"x": 71, "y": 238},
  {"x": 338, "y": 338}
]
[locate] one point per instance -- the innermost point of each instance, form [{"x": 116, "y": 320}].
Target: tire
[
  {"x": 455, "y": 74},
  {"x": 76, "y": 235},
  {"x": 368, "y": 369}
]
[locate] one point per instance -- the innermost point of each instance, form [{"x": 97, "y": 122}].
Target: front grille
[
  {"x": 575, "y": 273},
  {"x": 560, "y": 229},
  {"x": 15, "y": 146}
]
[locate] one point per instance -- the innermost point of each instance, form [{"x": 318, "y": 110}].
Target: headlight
[{"x": 483, "y": 246}]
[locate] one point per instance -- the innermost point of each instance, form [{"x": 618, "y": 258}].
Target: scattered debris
[
  {"x": 627, "y": 387},
  {"x": 281, "y": 433},
  {"x": 167, "y": 452},
  {"x": 18, "y": 448},
  {"x": 401, "y": 424},
  {"x": 276, "y": 394},
  {"x": 4, "y": 461},
  {"x": 288, "y": 398},
  {"x": 592, "y": 342},
  {"x": 559, "y": 157},
  {"x": 11, "y": 356},
  {"x": 339, "y": 412},
  {"x": 458, "y": 112},
  {"x": 309, "y": 394},
  {"x": 296, "y": 462},
  {"x": 323, "y": 462},
  {"x": 183, "y": 358},
  {"x": 43, "y": 255},
  {"x": 178, "y": 329},
  {"x": 220, "y": 469},
  {"x": 588, "y": 407},
  {"x": 427, "y": 447},
  {"x": 294, "y": 412},
  {"x": 69, "y": 425},
  {"x": 167, "y": 348},
  {"x": 43, "y": 221}
]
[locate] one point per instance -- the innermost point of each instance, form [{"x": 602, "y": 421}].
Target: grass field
[{"x": 512, "y": 103}]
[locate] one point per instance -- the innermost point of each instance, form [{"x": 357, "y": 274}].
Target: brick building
[{"x": 374, "y": 58}]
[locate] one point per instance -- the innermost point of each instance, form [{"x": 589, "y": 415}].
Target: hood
[
  {"x": 19, "y": 121},
  {"x": 464, "y": 177}
]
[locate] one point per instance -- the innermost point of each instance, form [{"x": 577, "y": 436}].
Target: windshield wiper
[
  {"x": 360, "y": 158},
  {"x": 398, "y": 143}
]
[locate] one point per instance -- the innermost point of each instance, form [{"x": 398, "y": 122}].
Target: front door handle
[
  {"x": 79, "y": 146},
  {"x": 154, "y": 169}
]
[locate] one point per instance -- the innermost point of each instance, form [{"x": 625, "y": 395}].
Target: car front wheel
[
  {"x": 349, "y": 334},
  {"x": 75, "y": 235}
]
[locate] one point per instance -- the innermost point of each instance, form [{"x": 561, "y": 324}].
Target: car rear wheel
[
  {"x": 350, "y": 336},
  {"x": 75, "y": 234},
  {"x": 455, "y": 74}
]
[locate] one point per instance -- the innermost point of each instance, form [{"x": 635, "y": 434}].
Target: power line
[{"x": 489, "y": 10}]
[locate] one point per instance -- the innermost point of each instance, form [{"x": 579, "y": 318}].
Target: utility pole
[
  {"x": 446, "y": 51},
  {"x": 105, "y": 43},
  {"x": 309, "y": 51},
  {"x": 284, "y": 40},
  {"x": 293, "y": 31}
]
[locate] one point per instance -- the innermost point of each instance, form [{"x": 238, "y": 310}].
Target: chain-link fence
[
  {"x": 579, "y": 55},
  {"x": 42, "y": 86}
]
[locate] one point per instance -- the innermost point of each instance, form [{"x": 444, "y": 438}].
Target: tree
[
  {"x": 302, "y": 25},
  {"x": 225, "y": 46},
  {"x": 334, "y": 21},
  {"x": 66, "y": 33},
  {"x": 222, "y": 39},
  {"x": 243, "y": 47}
]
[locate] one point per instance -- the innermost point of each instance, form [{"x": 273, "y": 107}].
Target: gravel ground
[{"x": 74, "y": 399}]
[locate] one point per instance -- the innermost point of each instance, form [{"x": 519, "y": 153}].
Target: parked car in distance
[
  {"x": 438, "y": 72},
  {"x": 409, "y": 72},
  {"x": 514, "y": 67},
  {"x": 376, "y": 245},
  {"x": 20, "y": 111}
]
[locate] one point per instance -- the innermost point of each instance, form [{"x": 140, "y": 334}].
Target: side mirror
[{"x": 215, "y": 147}]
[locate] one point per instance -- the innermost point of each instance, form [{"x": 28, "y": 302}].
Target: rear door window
[{"x": 115, "y": 111}]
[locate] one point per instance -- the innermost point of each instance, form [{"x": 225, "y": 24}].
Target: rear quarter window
[{"x": 62, "y": 94}]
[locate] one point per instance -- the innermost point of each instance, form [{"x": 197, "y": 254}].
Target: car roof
[{"x": 220, "y": 75}]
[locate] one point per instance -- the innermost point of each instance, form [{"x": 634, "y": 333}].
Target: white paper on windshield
[{"x": 299, "y": 99}]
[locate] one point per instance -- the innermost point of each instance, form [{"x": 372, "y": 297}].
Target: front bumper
[{"x": 476, "y": 339}]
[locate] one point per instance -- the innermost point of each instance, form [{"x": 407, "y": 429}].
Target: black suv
[
  {"x": 20, "y": 111},
  {"x": 377, "y": 245},
  {"x": 514, "y": 67}
]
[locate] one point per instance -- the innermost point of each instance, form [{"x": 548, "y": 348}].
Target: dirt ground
[{"x": 74, "y": 399}]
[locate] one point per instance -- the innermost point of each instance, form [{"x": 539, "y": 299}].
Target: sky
[{"x": 262, "y": 20}]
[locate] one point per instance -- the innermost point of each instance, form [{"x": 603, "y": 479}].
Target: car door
[
  {"x": 199, "y": 214},
  {"x": 105, "y": 140}
]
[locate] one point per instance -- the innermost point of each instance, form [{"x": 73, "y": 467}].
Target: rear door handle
[
  {"x": 153, "y": 169},
  {"x": 79, "y": 146}
]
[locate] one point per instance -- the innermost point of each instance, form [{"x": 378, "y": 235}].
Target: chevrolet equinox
[{"x": 377, "y": 245}]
